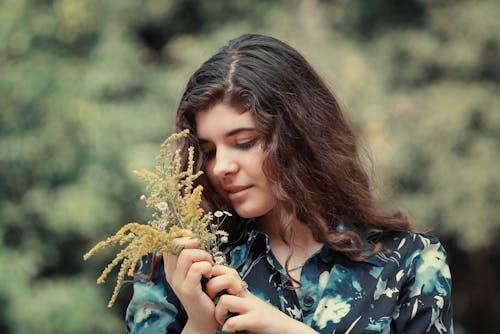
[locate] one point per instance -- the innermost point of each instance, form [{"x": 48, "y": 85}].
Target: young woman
[{"x": 310, "y": 250}]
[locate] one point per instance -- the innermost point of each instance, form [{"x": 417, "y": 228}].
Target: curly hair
[{"x": 312, "y": 156}]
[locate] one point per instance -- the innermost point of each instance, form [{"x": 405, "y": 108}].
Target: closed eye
[
  {"x": 247, "y": 144},
  {"x": 208, "y": 153},
  {"x": 209, "y": 150}
]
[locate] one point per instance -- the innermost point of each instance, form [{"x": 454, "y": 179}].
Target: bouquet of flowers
[{"x": 176, "y": 213}]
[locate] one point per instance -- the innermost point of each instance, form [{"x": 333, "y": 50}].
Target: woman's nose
[{"x": 224, "y": 164}]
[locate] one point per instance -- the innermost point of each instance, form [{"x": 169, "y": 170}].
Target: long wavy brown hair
[{"x": 312, "y": 155}]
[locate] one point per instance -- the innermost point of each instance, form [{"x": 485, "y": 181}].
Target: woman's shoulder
[
  {"x": 404, "y": 241},
  {"x": 414, "y": 252}
]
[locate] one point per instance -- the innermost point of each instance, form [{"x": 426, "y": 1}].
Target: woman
[{"x": 310, "y": 250}]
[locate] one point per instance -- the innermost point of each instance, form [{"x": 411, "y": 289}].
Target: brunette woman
[{"x": 310, "y": 249}]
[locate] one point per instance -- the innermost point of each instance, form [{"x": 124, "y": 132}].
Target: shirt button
[{"x": 308, "y": 301}]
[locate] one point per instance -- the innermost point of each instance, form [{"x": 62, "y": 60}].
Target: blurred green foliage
[{"x": 88, "y": 90}]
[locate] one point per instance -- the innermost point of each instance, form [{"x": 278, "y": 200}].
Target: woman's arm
[
  {"x": 154, "y": 307},
  {"x": 425, "y": 304}
]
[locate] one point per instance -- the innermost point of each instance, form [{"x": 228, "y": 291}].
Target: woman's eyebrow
[{"x": 238, "y": 130}]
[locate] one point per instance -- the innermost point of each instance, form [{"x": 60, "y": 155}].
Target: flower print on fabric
[
  {"x": 404, "y": 290},
  {"x": 432, "y": 271},
  {"x": 332, "y": 309},
  {"x": 342, "y": 290}
]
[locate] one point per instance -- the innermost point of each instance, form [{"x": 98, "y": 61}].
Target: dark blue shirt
[{"x": 404, "y": 290}]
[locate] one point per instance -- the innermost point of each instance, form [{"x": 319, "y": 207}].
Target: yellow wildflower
[{"x": 177, "y": 213}]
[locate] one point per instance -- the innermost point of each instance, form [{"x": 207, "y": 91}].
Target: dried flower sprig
[{"x": 176, "y": 213}]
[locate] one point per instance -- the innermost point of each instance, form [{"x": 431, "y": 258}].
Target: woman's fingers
[
  {"x": 189, "y": 256},
  {"x": 171, "y": 260},
  {"x": 225, "y": 279},
  {"x": 197, "y": 270},
  {"x": 238, "y": 323},
  {"x": 190, "y": 287},
  {"x": 215, "y": 285},
  {"x": 253, "y": 315},
  {"x": 177, "y": 266},
  {"x": 228, "y": 304},
  {"x": 186, "y": 242}
]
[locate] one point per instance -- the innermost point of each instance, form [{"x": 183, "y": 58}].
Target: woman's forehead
[{"x": 222, "y": 119}]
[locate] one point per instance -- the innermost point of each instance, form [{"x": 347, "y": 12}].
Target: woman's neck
[{"x": 296, "y": 250}]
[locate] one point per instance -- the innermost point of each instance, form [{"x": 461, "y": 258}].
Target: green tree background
[{"x": 88, "y": 90}]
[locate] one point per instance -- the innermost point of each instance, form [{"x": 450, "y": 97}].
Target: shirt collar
[{"x": 252, "y": 238}]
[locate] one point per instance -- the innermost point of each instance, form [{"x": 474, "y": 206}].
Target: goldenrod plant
[{"x": 176, "y": 213}]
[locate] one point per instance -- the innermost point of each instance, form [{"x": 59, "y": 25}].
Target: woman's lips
[{"x": 236, "y": 193}]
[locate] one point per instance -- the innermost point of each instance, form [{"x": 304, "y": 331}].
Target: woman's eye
[
  {"x": 209, "y": 153},
  {"x": 246, "y": 144}
]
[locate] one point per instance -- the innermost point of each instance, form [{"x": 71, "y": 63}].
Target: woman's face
[{"x": 234, "y": 160}]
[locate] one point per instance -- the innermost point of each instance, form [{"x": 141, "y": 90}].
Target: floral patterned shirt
[{"x": 406, "y": 290}]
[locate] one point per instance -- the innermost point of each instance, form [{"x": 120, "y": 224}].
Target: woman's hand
[
  {"x": 184, "y": 273},
  {"x": 253, "y": 314}
]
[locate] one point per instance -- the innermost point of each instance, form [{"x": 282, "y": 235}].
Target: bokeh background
[{"x": 88, "y": 89}]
